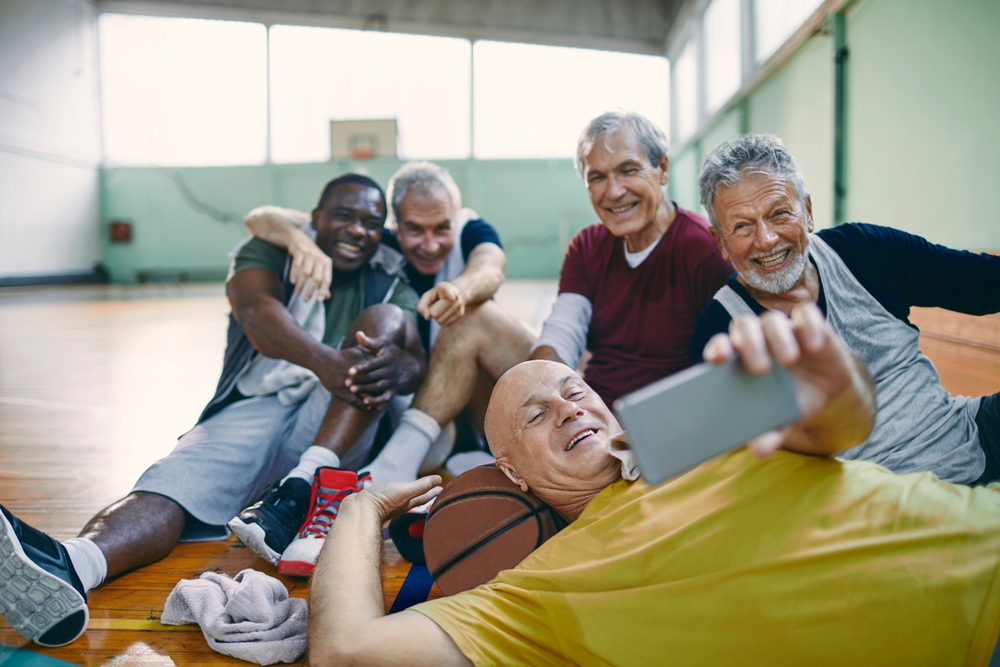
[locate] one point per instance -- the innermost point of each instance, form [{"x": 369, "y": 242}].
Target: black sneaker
[
  {"x": 40, "y": 593},
  {"x": 268, "y": 526}
]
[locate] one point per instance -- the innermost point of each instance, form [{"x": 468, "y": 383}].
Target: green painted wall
[
  {"x": 924, "y": 118},
  {"x": 923, "y": 98},
  {"x": 186, "y": 220}
]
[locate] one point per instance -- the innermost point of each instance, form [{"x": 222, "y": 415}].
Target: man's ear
[
  {"x": 315, "y": 219},
  {"x": 504, "y": 465},
  {"x": 718, "y": 241},
  {"x": 664, "y": 170},
  {"x": 809, "y": 212}
]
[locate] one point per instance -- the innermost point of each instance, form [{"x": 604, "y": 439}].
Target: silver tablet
[{"x": 683, "y": 420}]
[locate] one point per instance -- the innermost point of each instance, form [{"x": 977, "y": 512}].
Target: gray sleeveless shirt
[{"x": 919, "y": 425}]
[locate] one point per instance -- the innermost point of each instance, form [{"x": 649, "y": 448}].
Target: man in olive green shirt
[{"x": 301, "y": 387}]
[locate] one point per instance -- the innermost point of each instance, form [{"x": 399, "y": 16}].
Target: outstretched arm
[
  {"x": 836, "y": 395},
  {"x": 311, "y": 268},
  {"x": 347, "y": 620},
  {"x": 483, "y": 274}
]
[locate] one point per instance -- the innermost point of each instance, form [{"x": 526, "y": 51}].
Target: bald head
[
  {"x": 551, "y": 434},
  {"x": 510, "y": 392}
]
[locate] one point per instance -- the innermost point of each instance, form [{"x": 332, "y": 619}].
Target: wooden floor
[{"x": 97, "y": 382}]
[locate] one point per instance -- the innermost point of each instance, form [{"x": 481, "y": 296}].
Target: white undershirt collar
[{"x": 634, "y": 259}]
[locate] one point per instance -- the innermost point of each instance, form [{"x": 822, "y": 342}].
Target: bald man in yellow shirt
[{"x": 759, "y": 556}]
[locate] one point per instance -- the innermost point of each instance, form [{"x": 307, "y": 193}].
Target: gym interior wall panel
[
  {"x": 683, "y": 182},
  {"x": 48, "y": 217},
  {"x": 186, "y": 220},
  {"x": 49, "y": 138},
  {"x": 796, "y": 104},
  {"x": 923, "y": 135}
]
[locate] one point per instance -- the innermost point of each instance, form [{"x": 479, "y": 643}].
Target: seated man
[
  {"x": 631, "y": 286},
  {"x": 792, "y": 560},
  {"x": 282, "y": 390},
  {"x": 456, "y": 264},
  {"x": 865, "y": 279}
]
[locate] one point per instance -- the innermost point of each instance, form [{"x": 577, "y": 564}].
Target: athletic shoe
[
  {"x": 330, "y": 487},
  {"x": 40, "y": 593},
  {"x": 270, "y": 524}
]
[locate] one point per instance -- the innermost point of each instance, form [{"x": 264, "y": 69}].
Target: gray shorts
[{"x": 225, "y": 463}]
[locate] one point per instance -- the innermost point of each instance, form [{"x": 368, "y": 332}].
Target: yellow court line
[{"x": 137, "y": 624}]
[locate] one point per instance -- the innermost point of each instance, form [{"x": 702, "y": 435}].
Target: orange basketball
[{"x": 483, "y": 523}]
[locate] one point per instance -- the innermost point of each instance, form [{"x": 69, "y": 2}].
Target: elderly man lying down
[{"x": 793, "y": 559}]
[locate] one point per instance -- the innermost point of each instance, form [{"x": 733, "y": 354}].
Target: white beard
[{"x": 780, "y": 282}]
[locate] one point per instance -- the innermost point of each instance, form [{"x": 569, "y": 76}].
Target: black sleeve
[
  {"x": 389, "y": 239},
  {"x": 714, "y": 319},
  {"x": 902, "y": 270},
  {"x": 476, "y": 232}
]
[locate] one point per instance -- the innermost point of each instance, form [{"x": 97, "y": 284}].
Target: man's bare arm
[
  {"x": 835, "y": 393},
  {"x": 546, "y": 353},
  {"x": 347, "y": 620},
  {"x": 484, "y": 272},
  {"x": 258, "y": 305},
  {"x": 311, "y": 268}
]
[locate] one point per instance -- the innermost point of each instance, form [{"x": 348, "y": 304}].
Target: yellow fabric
[{"x": 793, "y": 560}]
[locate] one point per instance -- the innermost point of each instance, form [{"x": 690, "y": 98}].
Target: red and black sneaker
[
  {"x": 329, "y": 488},
  {"x": 41, "y": 595}
]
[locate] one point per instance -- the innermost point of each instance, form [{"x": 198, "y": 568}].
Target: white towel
[{"x": 249, "y": 617}]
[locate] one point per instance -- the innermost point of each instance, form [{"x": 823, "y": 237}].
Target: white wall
[{"x": 49, "y": 138}]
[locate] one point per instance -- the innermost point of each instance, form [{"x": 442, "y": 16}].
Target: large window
[
  {"x": 533, "y": 101},
  {"x": 685, "y": 97},
  {"x": 323, "y": 74},
  {"x": 183, "y": 91},
  {"x": 776, "y": 20},
  {"x": 721, "y": 27}
]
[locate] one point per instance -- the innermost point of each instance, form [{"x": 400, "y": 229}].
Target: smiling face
[
  {"x": 625, "y": 189},
  {"x": 551, "y": 433},
  {"x": 348, "y": 225},
  {"x": 764, "y": 230},
  {"x": 424, "y": 229}
]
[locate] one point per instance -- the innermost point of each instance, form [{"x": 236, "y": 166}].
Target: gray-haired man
[{"x": 865, "y": 278}]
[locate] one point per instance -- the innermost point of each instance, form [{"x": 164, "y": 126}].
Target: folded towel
[{"x": 249, "y": 617}]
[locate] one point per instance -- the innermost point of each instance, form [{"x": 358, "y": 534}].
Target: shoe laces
[{"x": 325, "y": 510}]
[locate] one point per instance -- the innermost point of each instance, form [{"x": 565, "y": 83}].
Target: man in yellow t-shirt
[{"x": 790, "y": 559}]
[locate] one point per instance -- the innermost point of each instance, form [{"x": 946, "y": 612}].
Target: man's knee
[{"x": 383, "y": 320}]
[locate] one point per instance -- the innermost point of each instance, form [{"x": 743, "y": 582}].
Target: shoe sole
[
  {"x": 296, "y": 568},
  {"x": 252, "y": 536},
  {"x": 35, "y": 602}
]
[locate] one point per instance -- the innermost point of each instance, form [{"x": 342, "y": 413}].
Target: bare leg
[
  {"x": 343, "y": 424},
  {"x": 487, "y": 341},
  {"x": 137, "y": 530}
]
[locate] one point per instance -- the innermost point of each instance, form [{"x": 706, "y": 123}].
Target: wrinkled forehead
[{"x": 355, "y": 196}]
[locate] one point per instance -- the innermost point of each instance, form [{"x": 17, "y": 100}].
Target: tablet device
[{"x": 683, "y": 420}]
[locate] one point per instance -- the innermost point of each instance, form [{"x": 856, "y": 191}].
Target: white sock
[
  {"x": 88, "y": 561},
  {"x": 312, "y": 458},
  {"x": 401, "y": 457}
]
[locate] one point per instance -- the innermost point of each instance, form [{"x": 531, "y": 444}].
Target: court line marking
[{"x": 54, "y": 405}]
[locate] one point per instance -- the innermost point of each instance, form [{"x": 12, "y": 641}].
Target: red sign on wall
[{"x": 120, "y": 231}]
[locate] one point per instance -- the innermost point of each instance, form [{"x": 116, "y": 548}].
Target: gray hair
[
  {"x": 749, "y": 154},
  {"x": 423, "y": 178},
  {"x": 651, "y": 138}
]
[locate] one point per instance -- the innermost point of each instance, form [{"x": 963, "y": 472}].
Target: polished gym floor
[{"x": 97, "y": 382}]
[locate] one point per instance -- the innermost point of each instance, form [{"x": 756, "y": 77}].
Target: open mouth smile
[
  {"x": 773, "y": 260},
  {"x": 348, "y": 249},
  {"x": 580, "y": 437},
  {"x": 623, "y": 209}
]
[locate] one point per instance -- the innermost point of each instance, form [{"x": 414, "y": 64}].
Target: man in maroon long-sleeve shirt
[{"x": 633, "y": 285}]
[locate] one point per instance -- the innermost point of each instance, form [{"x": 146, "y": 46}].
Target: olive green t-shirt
[{"x": 346, "y": 299}]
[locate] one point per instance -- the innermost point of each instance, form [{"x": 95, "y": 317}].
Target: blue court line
[
  {"x": 15, "y": 657},
  {"x": 415, "y": 589}
]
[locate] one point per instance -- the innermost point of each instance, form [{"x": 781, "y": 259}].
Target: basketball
[{"x": 483, "y": 523}]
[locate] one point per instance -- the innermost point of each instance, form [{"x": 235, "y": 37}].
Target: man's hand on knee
[{"x": 385, "y": 371}]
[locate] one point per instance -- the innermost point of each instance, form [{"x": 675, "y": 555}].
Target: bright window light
[
  {"x": 685, "y": 72},
  {"x": 721, "y": 27},
  {"x": 776, "y": 20},
  {"x": 324, "y": 74},
  {"x": 533, "y": 101},
  {"x": 183, "y": 91}
]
